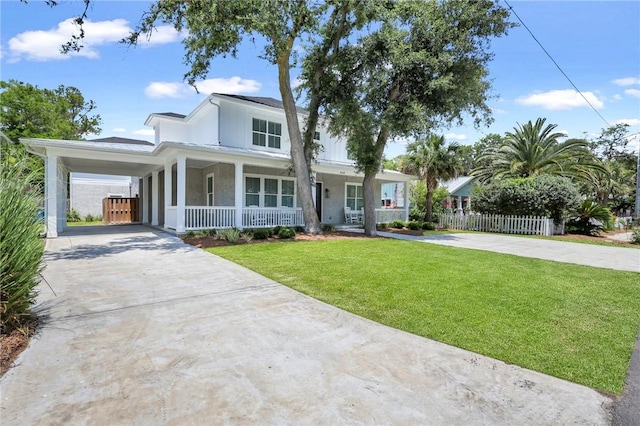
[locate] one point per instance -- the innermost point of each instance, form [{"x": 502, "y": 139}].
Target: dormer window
[{"x": 266, "y": 133}]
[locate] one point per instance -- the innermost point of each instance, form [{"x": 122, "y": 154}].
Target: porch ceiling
[{"x": 84, "y": 165}]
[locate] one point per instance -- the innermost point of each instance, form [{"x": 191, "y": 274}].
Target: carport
[{"x": 125, "y": 159}]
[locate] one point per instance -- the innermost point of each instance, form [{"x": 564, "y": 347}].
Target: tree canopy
[
  {"x": 31, "y": 112},
  {"x": 422, "y": 65}
]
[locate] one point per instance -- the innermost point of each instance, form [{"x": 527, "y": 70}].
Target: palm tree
[
  {"x": 533, "y": 149},
  {"x": 431, "y": 160}
]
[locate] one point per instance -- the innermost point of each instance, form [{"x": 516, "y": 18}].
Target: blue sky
[{"x": 597, "y": 44}]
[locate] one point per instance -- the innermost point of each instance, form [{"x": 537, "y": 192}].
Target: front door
[{"x": 319, "y": 196}]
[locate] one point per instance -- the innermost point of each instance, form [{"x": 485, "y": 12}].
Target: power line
[{"x": 556, "y": 64}]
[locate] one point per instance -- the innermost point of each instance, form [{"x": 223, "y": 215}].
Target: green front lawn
[{"x": 574, "y": 322}]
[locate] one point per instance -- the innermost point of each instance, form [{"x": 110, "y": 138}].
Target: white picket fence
[{"x": 524, "y": 225}]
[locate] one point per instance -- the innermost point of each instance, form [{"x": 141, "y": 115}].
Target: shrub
[
  {"x": 543, "y": 195},
  {"x": 590, "y": 219},
  {"x": 261, "y": 233},
  {"x": 276, "y": 230},
  {"x": 327, "y": 227},
  {"x": 635, "y": 236},
  {"x": 89, "y": 218},
  {"x": 190, "y": 234},
  {"x": 429, "y": 226},
  {"x": 381, "y": 226},
  {"x": 398, "y": 224},
  {"x": 209, "y": 232},
  {"x": 246, "y": 236},
  {"x": 232, "y": 235},
  {"x": 286, "y": 233},
  {"x": 73, "y": 216},
  {"x": 299, "y": 229},
  {"x": 97, "y": 218},
  {"x": 21, "y": 249},
  {"x": 414, "y": 225}
]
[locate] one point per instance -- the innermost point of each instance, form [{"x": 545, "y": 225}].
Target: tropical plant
[
  {"x": 533, "y": 149},
  {"x": 432, "y": 160},
  {"x": 232, "y": 235},
  {"x": 20, "y": 246},
  {"x": 590, "y": 218},
  {"x": 73, "y": 216}
]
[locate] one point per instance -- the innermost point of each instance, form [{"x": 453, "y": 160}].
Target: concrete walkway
[
  {"x": 146, "y": 330},
  {"x": 620, "y": 258}
]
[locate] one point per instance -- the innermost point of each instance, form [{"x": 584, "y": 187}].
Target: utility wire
[{"x": 556, "y": 64}]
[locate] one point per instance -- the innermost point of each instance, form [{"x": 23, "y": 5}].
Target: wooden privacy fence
[
  {"x": 525, "y": 225},
  {"x": 120, "y": 210}
]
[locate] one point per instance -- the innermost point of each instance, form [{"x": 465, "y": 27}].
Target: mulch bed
[
  {"x": 206, "y": 242},
  {"x": 12, "y": 344}
]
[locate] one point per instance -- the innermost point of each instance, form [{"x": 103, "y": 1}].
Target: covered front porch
[{"x": 185, "y": 188}]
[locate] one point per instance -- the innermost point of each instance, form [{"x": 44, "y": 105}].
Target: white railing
[
  {"x": 255, "y": 217},
  {"x": 171, "y": 217},
  {"x": 206, "y": 217},
  {"x": 525, "y": 225},
  {"x": 389, "y": 215}
]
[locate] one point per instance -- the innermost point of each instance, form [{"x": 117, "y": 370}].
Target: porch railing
[
  {"x": 171, "y": 217},
  {"x": 525, "y": 225},
  {"x": 389, "y": 215},
  {"x": 258, "y": 217},
  {"x": 206, "y": 217}
]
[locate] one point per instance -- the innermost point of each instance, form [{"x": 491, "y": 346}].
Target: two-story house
[{"x": 226, "y": 164}]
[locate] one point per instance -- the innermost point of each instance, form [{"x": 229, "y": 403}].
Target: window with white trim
[
  {"x": 209, "y": 189},
  {"x": 354, "y": 198},
  {"x": 269, "y": 191},
  {"x": 266, "y": 133}
]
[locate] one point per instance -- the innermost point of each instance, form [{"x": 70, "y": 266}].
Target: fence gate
[{"x": 120, "y": 210}]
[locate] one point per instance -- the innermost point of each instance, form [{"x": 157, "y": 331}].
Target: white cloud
[
  {"x": 498, "y": 110},
  {"x": 560, "y": 100},
  {"x": 45, "y": 45},
  {"x": 119, "y": 130},
  {"x": 627, "y": 81},
  {"x": 233, "y": 85},
  {"x": 144, "y": 132},
  {"x": 617, "y": 97},
  {"x": 633, "y": 92},
  {"x": 165, "y": 89},
  {"x": 629, "y": 121},
  {"x": 456, "y": 136}
]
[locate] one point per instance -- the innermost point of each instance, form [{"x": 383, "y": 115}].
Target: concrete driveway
[
  {"x": 620, "y": 258},
  {"x": 145, "y": 330}
]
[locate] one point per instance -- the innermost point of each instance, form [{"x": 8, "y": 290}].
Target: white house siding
[
  {"x": 204, "y": 130},
  {"x": 333, "y": 207}
]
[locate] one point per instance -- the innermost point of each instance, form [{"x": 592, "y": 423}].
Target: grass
[
  {"x": 82, "y": 223},
  {"x": 574, "y": 322}
]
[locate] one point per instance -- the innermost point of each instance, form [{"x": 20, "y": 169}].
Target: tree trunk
[
  {"x": 369, "y": 204},
  {"x": 429, "y": 205},
  {"x": 312, "y": 223}
]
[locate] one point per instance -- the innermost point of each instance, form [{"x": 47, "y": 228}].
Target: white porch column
[
  {"x": 144, "y": 198},
  {"x": 239, "y": 196},
  {"x": 63, "y": 178},
  {"x": 50, "y": 196},
  {"x": 181, "y": 184},
  {"x": 407, "y": 189},
  {"x": 155, "y": 185},
  {"x": 459, "y": 209},
  {"x": 167, "y": 190}
]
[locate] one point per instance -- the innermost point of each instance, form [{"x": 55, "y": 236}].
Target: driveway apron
[{"x": 143, "y": 329}]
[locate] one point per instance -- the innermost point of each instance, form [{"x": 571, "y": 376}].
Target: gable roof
[
  {"x": 454, "y": 185},
  {"x": 116, "y": 139},
  {"x": 171, "y": 114},
  {"x": 262, "y": 100}
]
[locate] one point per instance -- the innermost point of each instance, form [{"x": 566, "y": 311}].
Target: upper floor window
[
  {"x": 266, "y": 133},
  {"x": 316, "y": 136}
]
